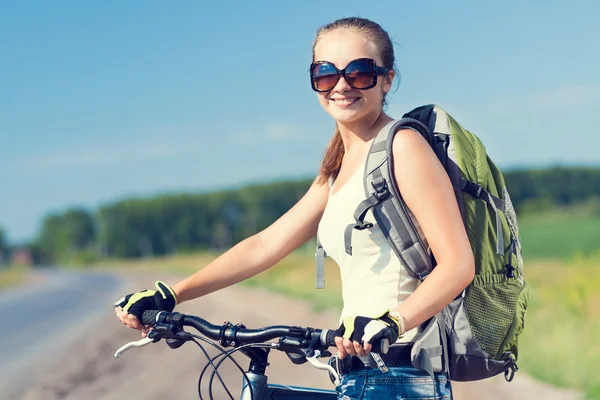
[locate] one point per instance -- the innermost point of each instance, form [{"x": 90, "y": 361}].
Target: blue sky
[{"x": 105, "y": 100}]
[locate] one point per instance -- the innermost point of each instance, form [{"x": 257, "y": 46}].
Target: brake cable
[{"x": 227, "y": 355}]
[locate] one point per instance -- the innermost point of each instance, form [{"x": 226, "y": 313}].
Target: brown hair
[{"x": 332, "y": 160}]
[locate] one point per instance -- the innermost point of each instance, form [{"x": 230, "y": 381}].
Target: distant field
[
  {"x": 561, "y": 234},
  {"x": 10, "y": 276},
  {"x": 560, "y": 341},
  {"x": 293, "y": 276}
]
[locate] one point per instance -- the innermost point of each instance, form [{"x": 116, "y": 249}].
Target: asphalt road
[{"x": 40, "y": 319}]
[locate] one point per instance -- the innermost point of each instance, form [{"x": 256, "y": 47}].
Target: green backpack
[{"x": 475, "y": 336}]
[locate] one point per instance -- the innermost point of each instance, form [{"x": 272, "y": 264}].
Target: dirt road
[{"x": 88, "y": 369}]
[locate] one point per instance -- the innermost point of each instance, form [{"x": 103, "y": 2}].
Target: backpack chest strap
[{"x": 380, "y": 194}]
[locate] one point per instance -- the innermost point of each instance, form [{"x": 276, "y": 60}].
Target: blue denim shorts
[{"x": 404, "y": 382}]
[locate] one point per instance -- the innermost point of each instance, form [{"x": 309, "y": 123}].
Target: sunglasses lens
[
  {"x": 324, "y": 76},
  {"x": 360, "y": 74}
]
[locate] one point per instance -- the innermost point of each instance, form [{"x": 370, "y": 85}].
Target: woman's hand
[
  {"x": 130, "y": 308},
  {"x": 356, "y": 334},
  {"x": 131, "y": 321},
  {"x": 353, "y": 348}
]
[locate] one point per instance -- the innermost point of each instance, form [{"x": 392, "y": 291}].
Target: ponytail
[{"x": 332, "y": 161}]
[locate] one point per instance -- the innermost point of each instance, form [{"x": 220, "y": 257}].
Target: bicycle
[{"x": 301, "y": 344}]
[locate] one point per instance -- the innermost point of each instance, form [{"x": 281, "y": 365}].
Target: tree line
[
  {"x": 145, "y": 227},
  {"x": 4, "y": 250}
]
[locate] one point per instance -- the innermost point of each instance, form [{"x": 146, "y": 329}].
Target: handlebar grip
[
  {"x": 380, "y": 346},
  {"x": 330, "y": 338},
  {"x": 149, "y": 317}
]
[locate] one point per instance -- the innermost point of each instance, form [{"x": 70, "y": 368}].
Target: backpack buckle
[
  {"x": 510, "y": 271},
  {"x": 471, "y": 188},
  {"x": 363, "y": 226},
  {"x": 381, "y": 190}
]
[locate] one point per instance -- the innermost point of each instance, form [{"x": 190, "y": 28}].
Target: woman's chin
[{"x": 346, "y": 116}]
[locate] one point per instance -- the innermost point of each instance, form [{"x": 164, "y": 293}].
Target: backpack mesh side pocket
[{"x": 491, "y": 306}]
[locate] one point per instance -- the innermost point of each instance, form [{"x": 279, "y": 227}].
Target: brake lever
[
  {"x": 140, "y": 343},
  {"x": 319, "y": 365}
]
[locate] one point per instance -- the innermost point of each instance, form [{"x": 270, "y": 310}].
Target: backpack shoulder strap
[{"x": 387, "y": 205}]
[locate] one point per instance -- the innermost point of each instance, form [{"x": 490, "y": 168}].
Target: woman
[{"x": 352, "y": 72}]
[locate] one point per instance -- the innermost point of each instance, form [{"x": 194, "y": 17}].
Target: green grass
[
  {"x": 178, "y": 264},
  {"x": 12, "y": 275},
  {"x": 561, "y": 234},
  {"x": 294, "y": 276},
  {"x": 560, "y": 342}
]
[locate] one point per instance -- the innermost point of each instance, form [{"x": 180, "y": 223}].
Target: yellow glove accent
[
  {"x": 349, "y": 325},
  {"x": 164, "y": 296},
  {"x": 396, "y": 317},
  {"x": 137, "y": 296}
]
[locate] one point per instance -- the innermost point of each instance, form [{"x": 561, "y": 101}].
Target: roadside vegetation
[
  {"x": 12, "y": 275},
  {"x": 560, "y": 341},
  {"x": 562, "y": 232},
  {"x": 190, "y": 222}
]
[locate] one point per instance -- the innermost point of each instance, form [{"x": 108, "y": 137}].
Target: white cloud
[
  {"x": 565, "y": 97},
  {"x": 278, "y": 131},
  {"x": 273, "y": 131},
  {"x": 552, "y": 100},
  {"x": 116, "y": 154}
]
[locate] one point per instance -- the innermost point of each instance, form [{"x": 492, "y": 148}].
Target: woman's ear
[{"x": 388, "y": 79}]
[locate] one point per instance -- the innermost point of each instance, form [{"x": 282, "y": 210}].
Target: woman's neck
[{"x": 355, "y": 135}]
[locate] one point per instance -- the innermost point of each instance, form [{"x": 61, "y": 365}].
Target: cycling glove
[
  {"x": 367, "y": 330},
  {"x": 163, "y": 299}
]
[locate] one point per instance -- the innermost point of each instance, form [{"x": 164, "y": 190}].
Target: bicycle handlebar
[{"x": 239, "y": 335}]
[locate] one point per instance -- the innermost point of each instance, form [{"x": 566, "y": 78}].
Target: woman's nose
[{"x": 341, "y": 85}]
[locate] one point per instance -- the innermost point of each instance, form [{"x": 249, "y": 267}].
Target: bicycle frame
[
  {"x": 261, "y": 390},
  {"x": 280, "y": 392}
]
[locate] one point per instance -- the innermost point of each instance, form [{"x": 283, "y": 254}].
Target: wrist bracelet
[{"x": 400, "y": 319}]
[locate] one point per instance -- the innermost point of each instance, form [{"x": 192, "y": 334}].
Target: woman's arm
[
  {"x": 261, "y": 251},
  {"x": 427, "y": 191}
]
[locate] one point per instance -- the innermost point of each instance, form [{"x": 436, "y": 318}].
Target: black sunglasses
[{"x": 360, "y": 74}]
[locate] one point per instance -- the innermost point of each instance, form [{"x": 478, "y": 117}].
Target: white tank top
[{"x": 373, "y": 279}]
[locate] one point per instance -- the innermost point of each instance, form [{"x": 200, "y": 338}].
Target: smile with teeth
[{"x": 345, "y": 101}]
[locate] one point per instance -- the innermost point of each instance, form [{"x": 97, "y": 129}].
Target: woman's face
[{"x": 343, "y": 103}]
